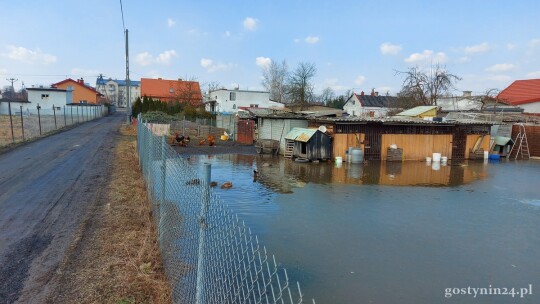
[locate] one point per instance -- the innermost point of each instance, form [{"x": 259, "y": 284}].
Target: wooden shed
[{"x": 311, "y": 144}]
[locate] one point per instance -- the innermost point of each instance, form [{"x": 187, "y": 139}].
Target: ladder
[
  {"x": 521, "y": 145},
  {"x": 289, "y": 146}
]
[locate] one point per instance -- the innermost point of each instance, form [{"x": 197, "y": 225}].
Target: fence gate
[
  {"x": 246, "y": 129},
  {"x": 372, "y": 144}
]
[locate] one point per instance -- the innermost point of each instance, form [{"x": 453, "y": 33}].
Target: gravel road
[{"x": 46, "y": 188}]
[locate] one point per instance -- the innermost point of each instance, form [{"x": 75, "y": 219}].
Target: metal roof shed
[{"x": 310, "y": 144}]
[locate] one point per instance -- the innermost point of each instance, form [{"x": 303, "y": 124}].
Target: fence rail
[
  {"x": 209, "y": 254},
  {"x": 23, "y": 123}
]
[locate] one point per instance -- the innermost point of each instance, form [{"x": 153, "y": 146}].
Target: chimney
[
  {"x": 376, "y": 93},
  {"x": 362, "y": 93},
  {"x": 372, "y": 92}
]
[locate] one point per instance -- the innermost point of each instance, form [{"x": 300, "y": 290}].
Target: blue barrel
[{"x": 356, "y": 155}]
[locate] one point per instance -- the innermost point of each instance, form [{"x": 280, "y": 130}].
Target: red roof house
[
  {"x": 81, "y": 93},
  {"x": 171, "y": 90},
  {"x": 523, "y": 93}
]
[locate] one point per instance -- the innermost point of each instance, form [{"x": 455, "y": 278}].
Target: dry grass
[{"x": 120, "y": 261}]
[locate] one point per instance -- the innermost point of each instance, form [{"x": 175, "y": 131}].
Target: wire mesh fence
[
  {"x": 24, "y": 123},
  {"x": 209, "y": 254}
]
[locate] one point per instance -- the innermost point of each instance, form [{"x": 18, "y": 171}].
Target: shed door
[
  {"x": 246, "y": 129},
  {"x": 459, "y": 141},
  {"x": 372, "y": 144}
]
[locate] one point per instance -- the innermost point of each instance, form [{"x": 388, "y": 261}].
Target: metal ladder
[{"x": 521, "y": 145}]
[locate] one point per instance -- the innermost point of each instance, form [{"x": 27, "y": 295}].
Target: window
[
  {"x": 253, "y": 105},
  {"x": 44, "y": 96},
  {"x": 171, "y": 90},
  {"x": 232, "y": 96},
  {"x": 234, "y": 106}
]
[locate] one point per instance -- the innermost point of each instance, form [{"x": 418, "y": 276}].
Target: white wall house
[
  {"x": 369, "y": 105},
  {"x": 229, "y": 101},
  {"x": 466, "y": 102},
  {"x": 116, "y": 90}
]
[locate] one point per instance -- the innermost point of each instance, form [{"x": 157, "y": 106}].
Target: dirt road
[{"x": 46, "y": 187}]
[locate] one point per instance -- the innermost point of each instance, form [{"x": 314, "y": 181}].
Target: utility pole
[
  {"x": 128, "y": 89},
  {"x": 9, "y": 106}
]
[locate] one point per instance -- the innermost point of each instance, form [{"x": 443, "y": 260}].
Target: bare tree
[
  {"x": 327, "y": 95},
  {"x": 188, "y": 91},
  {"x": 490, "y": 98},
  {"x": 425, "y": 87},
  {"x": 274, "y": 77},
  {"x": 300, "y": 88}
]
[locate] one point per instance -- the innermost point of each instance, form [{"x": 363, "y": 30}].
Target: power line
[{"x": 122, "y": 11}]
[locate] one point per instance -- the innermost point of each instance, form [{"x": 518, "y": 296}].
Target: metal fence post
[
  {"x": 39, "y": 118},
  {"x": 10, "y": 119},
  {"x": 202, "y": 231},
  {"x": 65, "y": 122},
  {"x": 163, "y": 169},
  {"x": 54, "y": 114},
  {"x": 78, "y": 114},
  {"x": 22, "y": 124}
]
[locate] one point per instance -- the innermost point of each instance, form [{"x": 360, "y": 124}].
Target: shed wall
[{"x": 417, "y": 147}]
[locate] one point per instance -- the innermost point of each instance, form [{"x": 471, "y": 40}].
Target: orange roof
[
  {"x": 169, "y": 90},
  {"x": 79, "y": 82},
  {"x": 521, "y": 92}
]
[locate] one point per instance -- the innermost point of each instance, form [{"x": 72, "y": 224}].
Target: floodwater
[{"x": 392, "y": 232}]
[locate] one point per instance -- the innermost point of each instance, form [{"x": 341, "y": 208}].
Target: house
[
  {"x": 179, "y": 90},
  {"x": 523, "y": 93},
  {"x": 419, "y": 112},
  {"x": 115, "y": 91},
  {"x": 311, "y": 144},
  {"x": 372, "y": 105},
  {"x": 227, "y": 101},
  {"x": 465, "y": 102},
  {"x": 78, "y": 91}
]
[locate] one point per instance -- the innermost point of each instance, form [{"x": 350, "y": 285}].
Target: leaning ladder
[
  {"x": 289, "y": 147},
  {"x": 521, "y": 145}
]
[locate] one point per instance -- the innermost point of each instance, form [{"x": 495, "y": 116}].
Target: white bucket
[
  {"x": 339, "y": 159},
  {"x": 428, "y": 159},
  {"x": 486, "y": 154},
  {"x": 436, "y": 157},
  {"x": 444, "y": 159}
]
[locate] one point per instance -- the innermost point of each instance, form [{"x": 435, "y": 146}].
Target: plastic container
[
  {"x": 339, "y": 159},
  {"x": 486, "y": 154},
  {"x": 436, "y": 166},
  {"x": 444, "y": 159},
  {"x": 436, "y": 157},
  {"x": 356, "y": 155},
  {"x": 224, "y": 137},
  {"x": 428, "y": 159}
]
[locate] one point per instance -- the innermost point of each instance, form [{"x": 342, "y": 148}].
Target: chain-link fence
[
  {"x": 209, "y": 255},
  {"x": 23, "y": 123}
]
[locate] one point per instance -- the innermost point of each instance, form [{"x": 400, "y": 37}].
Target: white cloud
[
  {"x": 170, "y": 22},
  {"x": 334, "y": 84},
  {"x": 211, "y": 67},
  {"x": 227, "y": 34},
  {"x": 427, "y": 56},
  {"x": 165, "y": 57},
  {"x": 533, "y": 74},
  {"x": 23, "y": 54},
  {"x": 146, "y": 59},
  {"x": 383, "y": 90},
  {"x": 510, "y": 46},
  {"x": 297, "y": 40},
  {"x": 205, "y": 63},
  {"x": 263, "y": 62},
  {"x": 360, "y": 80},
  {"x": 534, "y": 42},
  {"x": 477, "y": 49},
  {"x": 250, "y": 24},
  {"x": 311, "y": 39},
  {"x": 500, "y": 67},
  {"x": 390, "y": 49}
]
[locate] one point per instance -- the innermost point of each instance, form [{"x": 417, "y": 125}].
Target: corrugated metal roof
[
  {"x": 521, "y": 92},
  {"x": 416, "y": 111},
  {"x": 403, "y": 120},
  {"x": 300, "y": 134}
]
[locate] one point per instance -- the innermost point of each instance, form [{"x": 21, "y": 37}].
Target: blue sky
[{"x": 354, "y": 44}]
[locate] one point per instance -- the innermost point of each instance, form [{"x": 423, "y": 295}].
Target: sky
[{"x": 356, "y": 45}]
